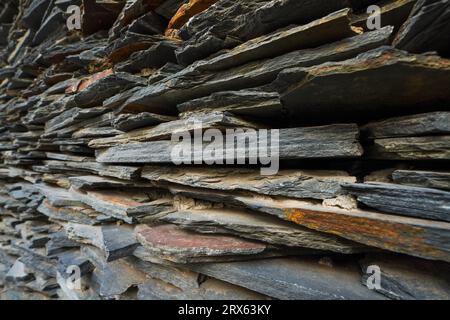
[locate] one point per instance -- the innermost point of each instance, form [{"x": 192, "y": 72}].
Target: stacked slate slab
[{"x": 93, "y": 205}]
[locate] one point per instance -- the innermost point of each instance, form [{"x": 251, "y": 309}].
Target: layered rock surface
[{"x": 360, "y": 116}]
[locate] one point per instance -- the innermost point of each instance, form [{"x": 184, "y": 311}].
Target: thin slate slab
[
  {"x": 410, "y": 148},
  {"x": 259, "y": 227},
  {"x": 403, "y": 200},
  {"x": 192, "y": 83},
  {"x": 423, "y": 124},
  {"x": 425, "y": 179},
  {"x": 406, "y": 278},
  {"x": 336, "y": 141},
  {"x": 126, "y": 205},
  {"x": 419, "y": 80},
  {"x": 417, "y": 237},
  {"x": 115, "y": 241},
  {"x": 175, "y": 244},
  {"x": 292, "y": 279},
  {"x": 314, "y": 184}
]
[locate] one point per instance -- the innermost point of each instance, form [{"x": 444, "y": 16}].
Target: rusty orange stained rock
[
  {"x": 83, "y": 84},
  {"x": 186, "y": 12}
]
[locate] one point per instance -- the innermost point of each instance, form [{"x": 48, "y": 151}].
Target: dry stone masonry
[{"x": 92, "y": 205}]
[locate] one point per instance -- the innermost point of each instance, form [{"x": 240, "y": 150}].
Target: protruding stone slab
[
  {"x": 115, "y": 241},
  {"x": 319, "y": 184},
  {"x": 426, "y": 179},
  {"x": 125, "y": 205},
  {"x": 424, "y": 124},
  {"x": 336, "y": 141},
  {"x": 328, "y": 29},
  {"x": 419, "y": 80},
  {"x": 175, "y": 244},
  {"x": 258, "y": 227},
  {"x": 417, "y": 237},
  {"x": 405, "y": 278},
  {"x": 403, "y": 200},
  {"x": 427, "y": 28},
  {"x": 292, "y": 279},
  {"x": 211, "y": 289},
  {"x": 411, "y": 148},
  {"x": 192, "y": 83}
]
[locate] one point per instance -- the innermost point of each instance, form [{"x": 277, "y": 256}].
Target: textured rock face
[{"x": 357, "y": 117}]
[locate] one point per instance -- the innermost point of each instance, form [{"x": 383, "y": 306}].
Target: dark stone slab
[
  {"x": 423, "y": 124},
  {"x": 292, "y": 279},
  {"x": 127, "y": 205},
  {"x": 34, "y": 14},
  {"x": 175, "y": 244},
  {"x": 316, "y": 92},
  {"x": 211, "y": 289},
  {"x": 411, "y": 148},
  {"x": 288, "y": 183},
  {"x": 337, "y": 141},
  {"x": 417, "y": 237},
  {"x": 426, "y": 179},
  {"x": 192, "y": 82},
  {"x": 244, "y": 20},
  {"x": 427, "y": 28},
  {"x": 403, "y": 200},
  {"x": 255, "y": 103},
  {"x": 258, "y": 227},
  {"x": 129, "y": 121},
  {"x": 406, "y": 278},
  {"x": 115, "y": 241}
]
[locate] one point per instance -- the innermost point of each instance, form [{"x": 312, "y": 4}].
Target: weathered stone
[
  {"x": 427, "y": 28},
  {"x": 426, "y": 179},
  {"x": 392, "y": 13},
  {"x": 315, "y": 92},
  {"x": 126, "y": 205},
  {"x": 432, "y": 123},
  {"x": 186, "y": 12},
  {"x": 57, "y": 197},
  {"x": 403, "y": 200},
  {"x": 96, "y": 182},
  {"x": 77, "y": 214},
  {"x": 128, "y": 121},
  {"x": 58, "y": 243},
  {"x": 411, "y": 148},
  {"x": 255, "y": 103},
  {"x": 331, "y": 28},
  {"x": 115, "y": 241},
  {"x": 177, "y": 276},
  {"x": 51, "y": 25},
  {"x": 33, "y": 15},
  {"x": 167, "y": 129},
  {"x": 154, "y": 57},
  {"x": 288, "y": 183},
  {"x": 120, "y": 172},
  {"x": 405, "y": 278},
  {"x": 95, "y": 93},
  {"x": 72, "y": 116},
  {"x": 245, "y": 20},
  {"x": 292, "y": 279},
  {"x": 337, "y": 141},
  {"x": 211, "y": 289},
  {"x": 192, "y": 83},
  {"x": 258, "y": 227},
  {"x": 18, "y": 272},
  {"x": 99, "y": 16},
  {"x": 175, "y": 244},
  {"x": 96, "y": 133},
  {"x": 417, "y": 237}
]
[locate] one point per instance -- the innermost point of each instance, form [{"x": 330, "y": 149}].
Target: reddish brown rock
[
  {"x": 178, "y": 245},
  {"x": 186, "y": 12}
]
